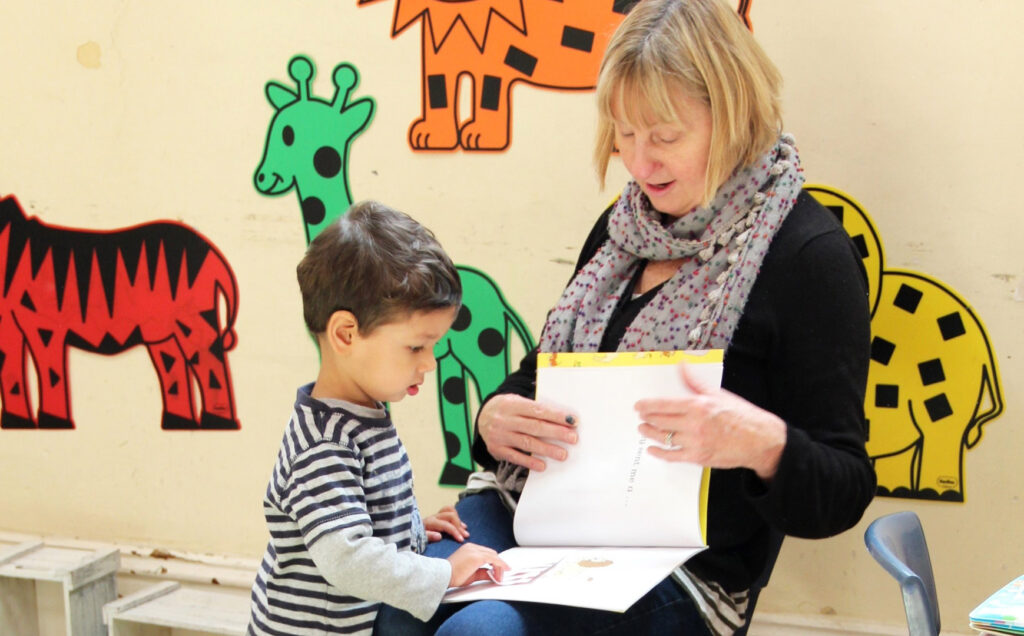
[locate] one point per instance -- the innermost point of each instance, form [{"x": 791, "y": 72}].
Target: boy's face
[{"x": 392, "y": 361}]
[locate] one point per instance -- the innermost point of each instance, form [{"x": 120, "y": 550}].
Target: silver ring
[{"x": 668, "y": 438}]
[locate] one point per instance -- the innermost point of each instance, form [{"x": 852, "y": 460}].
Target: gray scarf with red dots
[{"x": 723, "y": 246}]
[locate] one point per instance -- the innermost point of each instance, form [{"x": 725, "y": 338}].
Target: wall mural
[
  {"x": 158, "y": 284},
  {"x": 498, "y": 43},
  {"x": 307, "y": 148},
  {"x": 932, "y": 381}
]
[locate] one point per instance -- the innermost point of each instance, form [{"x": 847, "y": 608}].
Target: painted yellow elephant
[{"x": 933, "y": 379}]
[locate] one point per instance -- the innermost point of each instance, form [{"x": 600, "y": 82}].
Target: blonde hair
[{"x": 702, "y": 49}]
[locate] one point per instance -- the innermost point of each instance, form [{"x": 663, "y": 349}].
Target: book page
[
  {"x": 611, "y": 491},
  {"x": 599, "y": 578}
]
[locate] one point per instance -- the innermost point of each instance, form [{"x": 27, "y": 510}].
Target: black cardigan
[{"x": 801, "y": 351}]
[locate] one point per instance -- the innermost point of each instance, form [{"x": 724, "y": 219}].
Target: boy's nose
[{"x": 429, "y": 363}]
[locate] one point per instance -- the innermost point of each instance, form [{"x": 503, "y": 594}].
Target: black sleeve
[
  {"x": 825, "y": 480},
  {"x": 523, "y": 381}
]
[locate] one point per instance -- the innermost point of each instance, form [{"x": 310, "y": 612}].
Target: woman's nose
[{"x": 643, "y": 163}]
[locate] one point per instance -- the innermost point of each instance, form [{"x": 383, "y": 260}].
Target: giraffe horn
[
  {"x": 301, "y": 70},
  {"x": 345, "y": 79}
]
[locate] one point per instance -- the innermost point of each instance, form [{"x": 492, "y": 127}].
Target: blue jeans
[{"x": 666, "y": 609}]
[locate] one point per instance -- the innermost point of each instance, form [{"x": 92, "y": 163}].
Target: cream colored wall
[{"x": 116, "y": 113}]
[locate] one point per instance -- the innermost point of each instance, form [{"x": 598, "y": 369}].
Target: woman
[{"x": 712, "y": 244}]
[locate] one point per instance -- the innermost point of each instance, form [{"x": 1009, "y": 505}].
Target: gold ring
[{"x": 668, "y": 438}]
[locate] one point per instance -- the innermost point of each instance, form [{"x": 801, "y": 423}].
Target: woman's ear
[{"x": 342, "y": 329}]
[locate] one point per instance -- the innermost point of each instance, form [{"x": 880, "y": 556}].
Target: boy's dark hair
[{"x": 378, "y": 263}]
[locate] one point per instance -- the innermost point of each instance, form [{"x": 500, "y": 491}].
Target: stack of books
[{"x": 1003, "y": 612}]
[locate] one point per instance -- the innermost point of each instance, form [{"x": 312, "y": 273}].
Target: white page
[
  {"x": 599, "y": 578},
  {"x": 611, "y": 491}
]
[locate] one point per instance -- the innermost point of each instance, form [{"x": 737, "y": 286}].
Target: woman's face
[{"x": 668, "y": 159}]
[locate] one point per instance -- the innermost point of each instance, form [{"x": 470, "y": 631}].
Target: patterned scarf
[{"x": 723, "y": 246}]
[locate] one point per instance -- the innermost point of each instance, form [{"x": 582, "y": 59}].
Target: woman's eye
[{"x": 416, "y": 349}]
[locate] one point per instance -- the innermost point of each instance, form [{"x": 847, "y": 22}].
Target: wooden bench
[
  {"x": 156, "y": 610},
  {"x": 86, "y": 578}
]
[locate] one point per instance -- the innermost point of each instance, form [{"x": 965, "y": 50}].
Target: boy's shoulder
[{"x": 318, "y": 421}]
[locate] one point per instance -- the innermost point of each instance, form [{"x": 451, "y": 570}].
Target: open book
[{"x": 602, "y": 528}]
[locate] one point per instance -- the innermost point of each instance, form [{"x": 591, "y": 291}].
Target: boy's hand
[
  {"x": 446, "y": 521},
  {"x": 473, "y": 562}
]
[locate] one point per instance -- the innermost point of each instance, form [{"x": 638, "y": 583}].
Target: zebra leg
[
  {"x": 169, "y": 362},
  {"x": 15, "y": 412},
  {"x": 210, "y": 367},
  {"x": 49, "y": 353}
]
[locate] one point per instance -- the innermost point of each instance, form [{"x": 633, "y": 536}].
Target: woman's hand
[
  {"x": 473, "y": 562},
  {"x": 445, "y": 521},
  {"x": 713, "y": 427},
  {"x": 520, "y": 430}
]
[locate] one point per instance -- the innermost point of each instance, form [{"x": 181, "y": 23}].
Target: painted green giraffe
[
  {"x": 308, "y": 143},
  {"x": 475, "y": 352},
  {"x": 307, "y": 148}
]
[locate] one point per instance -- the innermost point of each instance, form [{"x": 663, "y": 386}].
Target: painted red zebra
[{"x": 157, "y": 284}]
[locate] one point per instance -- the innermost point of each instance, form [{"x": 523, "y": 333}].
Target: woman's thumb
[{"x": 690, "y": 379}]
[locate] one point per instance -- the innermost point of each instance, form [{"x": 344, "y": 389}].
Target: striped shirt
[{"x": 345, "y": 532}]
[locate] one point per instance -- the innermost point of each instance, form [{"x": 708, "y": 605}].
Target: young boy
[{"x": 378, "y": 292}]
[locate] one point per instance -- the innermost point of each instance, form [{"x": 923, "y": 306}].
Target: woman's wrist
[{"x": 767, "y": 461}]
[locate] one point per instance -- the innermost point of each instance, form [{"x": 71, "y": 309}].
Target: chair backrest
[{"x": 897, "y": 542}]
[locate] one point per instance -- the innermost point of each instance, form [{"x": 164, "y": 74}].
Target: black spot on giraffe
[
  {"x": 26, "y": 302},
  {"x": 454, "y": 390},
  {"x": 491, "y": 342},
  {"x": 213, "y": 380},
  {"x": 327, "y": 162},
  {"x": 463, "y": 320},
  {"x": 452, "y": 443},
  {"x": 313, "y": 211},
  {"x": 45, "y": 335}
]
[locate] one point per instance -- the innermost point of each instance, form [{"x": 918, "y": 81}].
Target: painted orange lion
[{"x": 554, "y": 44}]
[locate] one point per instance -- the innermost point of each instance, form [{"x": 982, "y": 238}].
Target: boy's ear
[{"x": 342, "y": 328}]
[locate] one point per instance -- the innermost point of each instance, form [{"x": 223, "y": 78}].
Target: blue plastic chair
[{"x": 897, "y": 542}]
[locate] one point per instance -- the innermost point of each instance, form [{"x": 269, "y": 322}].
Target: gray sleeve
[{"x": 374, "y": 570}]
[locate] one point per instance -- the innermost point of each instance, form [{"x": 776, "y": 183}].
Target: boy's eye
[{"x": 416, "y": 349}]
